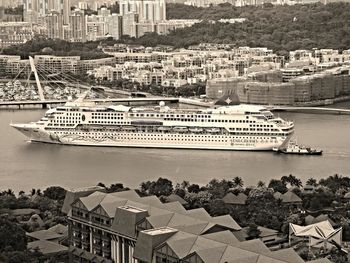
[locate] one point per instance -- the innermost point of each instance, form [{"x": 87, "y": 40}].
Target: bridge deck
[{"x": 120, "y": 100}]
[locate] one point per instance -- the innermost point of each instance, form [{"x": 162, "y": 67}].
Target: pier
[{"x": 53, "y": 103}]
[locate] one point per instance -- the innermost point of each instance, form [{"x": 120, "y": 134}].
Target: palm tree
[
  {"x": 185, "y": 184},
  {"x": 238, "y": 181},
  {"x": 294, "y": 181},
  {"x": 261, "y": 184},
  {"x": 311, "y": 181},
  {"x": 9, "y": 192},
  {"x": 285, "y": 179}
]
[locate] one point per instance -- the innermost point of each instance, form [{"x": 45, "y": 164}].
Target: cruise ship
[{"x": 238, "y": 127}]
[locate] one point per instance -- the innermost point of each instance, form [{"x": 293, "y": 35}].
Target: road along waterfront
[{"x": 27, "y": 165}]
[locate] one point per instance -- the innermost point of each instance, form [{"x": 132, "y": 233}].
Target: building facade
[{"x": 123, "y": 227}]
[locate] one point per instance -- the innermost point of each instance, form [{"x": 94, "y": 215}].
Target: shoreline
[{"x": 208, "y": 104}]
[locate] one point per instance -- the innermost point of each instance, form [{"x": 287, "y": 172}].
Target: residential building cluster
[
  {"x": 255, "y": 75},
  {"x": 186, "y": 66},
  {"x": 12, "y": 65},
  {"x": 13, "y": 33},
  {"x": 309, "y": 76},
  {"x": 123, "y": 227}
]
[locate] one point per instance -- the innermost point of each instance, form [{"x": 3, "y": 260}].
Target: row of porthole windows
[
  {"x": 212, "y": 120},
  {"x": 143, "y": 135},
  {"x": 108, "y": 118},
  {"x": 125, "y": 136}
]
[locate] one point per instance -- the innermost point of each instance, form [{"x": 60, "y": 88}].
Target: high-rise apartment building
[
  {"x": 148, "y": 10},
  {"x": 77, "y": 26},
  {"x": 114, "y": 26},
  {"x": 10, "y": 3},
  {"x": 54, "y": 25},
  {"x": 33, "y": 9}
]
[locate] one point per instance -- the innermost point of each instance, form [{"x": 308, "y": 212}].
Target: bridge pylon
[{"x": 38, "y": 84}]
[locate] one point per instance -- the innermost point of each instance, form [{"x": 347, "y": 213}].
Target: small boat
[{"x": 294, "y": 148}]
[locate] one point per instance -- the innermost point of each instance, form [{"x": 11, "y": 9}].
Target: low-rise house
[
  {"x": 47, "y": 247},
  {"x": 232, "y": 199},
  {"x": 57, "y": 234},
  {"x": 266, "y": 234},
  {"x": 288, "y": 198},
  {"x": 309, "y": 220}
]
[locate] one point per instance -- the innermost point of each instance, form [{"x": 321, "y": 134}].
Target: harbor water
[{"x": 25, "y": 165}]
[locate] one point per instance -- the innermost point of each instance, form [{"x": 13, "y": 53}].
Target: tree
[
  {"x": 253, "y": 232},
  {"x": 217, "y": 207},
  {"x": 218, "y": 188},
  {"x": 261, "y": 184},
  {"x": 238, "y": 181},
  {"x": 196, "y": 200},
  {"x": 12, "y": 236},
  {"x": 8, "y": 201},
  {"x": 193, "y": 188},
  {"x": 160, "y": 187},
  {"x": 101, "y": 185},
  {"x": 292, "y": 180},
  {"x": 311, "y": 181},
  {"x": 55, "y": 193},
  {"x": 336, "y": 182},
  {"x": 118, "y": 187},
  {"x": 185, "y": 184},
  {"x": 278, "y": 186}
]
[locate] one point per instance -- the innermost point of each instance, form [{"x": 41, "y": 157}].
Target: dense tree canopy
[
  {"x": 43, "y": 46},
  {"x": 281, "y": 28},
  {"x": 12, "y": 236}
]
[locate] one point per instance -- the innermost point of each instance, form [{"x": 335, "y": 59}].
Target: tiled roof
[
  {"x": 190, "y": 230},
  {"x": 175, "y": 207},
  {"x": 321, "y": 260},
  {"x": 225, "y": 237},
  {"x": 232, "y": 199},
  {"x": 56, "y": 232},
  {"x": 176, "y": 198},
  {"x": 44, "y": 235},
  {"x": 47, "y": 247},
  {"x": 92, "y": 200},
  {"x": 290, "y": 197},
  {"x": 72, "y": 195},
  {"x": 347, "y": 195},
  {"x": 289, "y": 255}
]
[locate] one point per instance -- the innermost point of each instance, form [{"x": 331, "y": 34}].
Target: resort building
[{"x": 123, "y": 227}]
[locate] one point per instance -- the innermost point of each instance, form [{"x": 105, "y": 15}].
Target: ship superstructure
[{"x": 239, "y": 127}]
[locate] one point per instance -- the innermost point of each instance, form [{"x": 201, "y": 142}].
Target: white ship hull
[{"x": 153, "y": 140}]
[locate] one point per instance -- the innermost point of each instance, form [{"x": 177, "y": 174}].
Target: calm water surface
[{"x": 25, "y": 165}]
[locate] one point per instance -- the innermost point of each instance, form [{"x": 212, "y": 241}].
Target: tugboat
[{"x": 294, "y": 148}]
